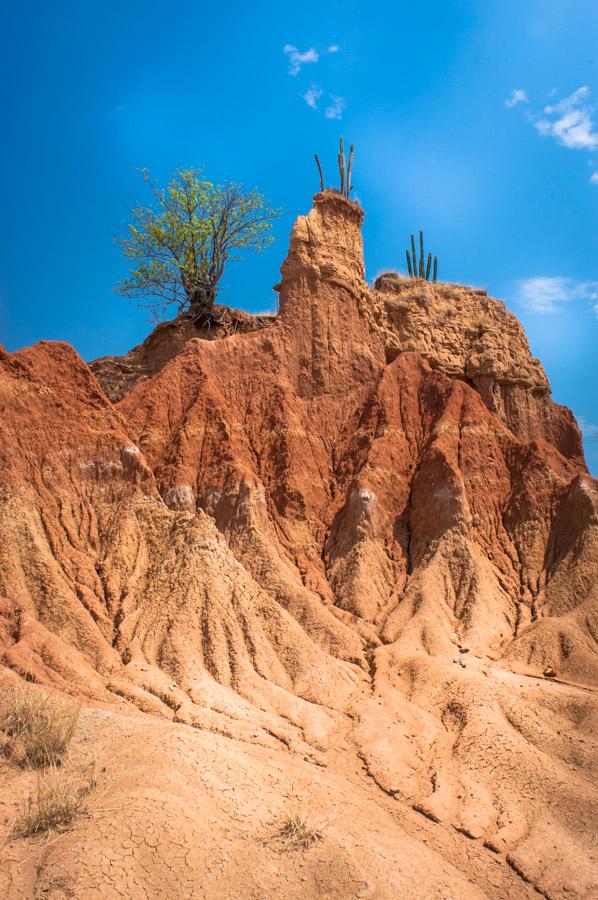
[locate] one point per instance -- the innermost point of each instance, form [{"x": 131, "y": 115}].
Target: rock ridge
[{"x": 336, "y": 549}]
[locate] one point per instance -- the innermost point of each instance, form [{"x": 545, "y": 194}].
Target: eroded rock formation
[{"x": 347, "y": 545}]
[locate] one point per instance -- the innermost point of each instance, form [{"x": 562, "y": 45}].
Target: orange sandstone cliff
[{"x": 322, "y": 558}]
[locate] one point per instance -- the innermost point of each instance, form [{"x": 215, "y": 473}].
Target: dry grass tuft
[
  {"x": 55, "y": 803},
  {"x": 299, "y": 831},
  {"x": 37, "y": 726}
]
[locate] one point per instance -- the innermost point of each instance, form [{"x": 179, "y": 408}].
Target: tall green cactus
[
  {"x": 345, "y": 169},
  {"x": 421, "y": 269},
  {"x": 341, "y": 165},
  {"x": 350, "y": 172}
]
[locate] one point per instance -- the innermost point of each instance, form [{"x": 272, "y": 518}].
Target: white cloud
[
  {"x": 336, "y": 107},
  {"x": 547, "y": 295},
  {"x": 570, "y": 121},
  {"x": 298, "y": 58},
  {"x": 588, "y": 429},
  {"x": 594, "y": 178},
  {"x": 334, "y": 48},
  {"x": 312, "y": 96},
  {"x": 518, "y": 95}
]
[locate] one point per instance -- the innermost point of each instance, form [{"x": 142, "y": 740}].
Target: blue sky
[{"x": 474, "y": 119}]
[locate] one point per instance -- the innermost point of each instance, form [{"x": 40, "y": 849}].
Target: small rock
[{"x": 549, "y": 672}]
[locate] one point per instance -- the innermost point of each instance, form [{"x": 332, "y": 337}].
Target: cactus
[
  {"x": 345, "y": 169},
  {"x": 341, "y": 165},
  {"x": 350, "y": 172},
  {"x": 422, "y": 268},
  {"x": 320, "y": 171}
]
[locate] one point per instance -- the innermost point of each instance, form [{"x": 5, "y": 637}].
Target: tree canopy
[{"x": 179, "y": 246}]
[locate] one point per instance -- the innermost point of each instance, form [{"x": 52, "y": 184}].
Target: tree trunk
[{"x": 202, "y": 300}]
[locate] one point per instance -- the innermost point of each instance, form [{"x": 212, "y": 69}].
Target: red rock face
[
  {"x": 473, "y": 337},
  {"x": 345, "y": 531}
]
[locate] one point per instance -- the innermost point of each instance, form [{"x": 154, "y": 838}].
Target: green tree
[{"x": 178, "y": 247}]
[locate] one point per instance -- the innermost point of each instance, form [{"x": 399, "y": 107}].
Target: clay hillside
[{"x": 325, "y": 586}]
